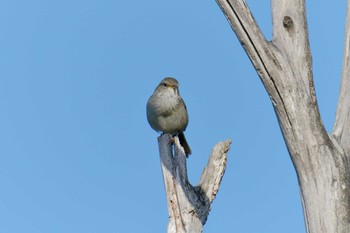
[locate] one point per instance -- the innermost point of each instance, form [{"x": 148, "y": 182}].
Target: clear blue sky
[{"x": 76, "y": 152}]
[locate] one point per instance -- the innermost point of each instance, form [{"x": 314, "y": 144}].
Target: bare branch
[
  {"x": 189, "y": 206},
  {"x": 342, "y": 122},
  {"x": 266, "y": 57},
  {"x": 248, "y": 33},
  {"x": 216, "y": 165}
]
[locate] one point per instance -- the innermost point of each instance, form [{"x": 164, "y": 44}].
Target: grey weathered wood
[
  {"x": 285, "y": 67},
  {"x": 342, "y": 122},
  {"x": 189, "y": 206}
]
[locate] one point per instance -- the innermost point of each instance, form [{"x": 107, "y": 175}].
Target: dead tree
[
  {"x": 189, "y": 206},
  {"x": 284, "y": 65}
]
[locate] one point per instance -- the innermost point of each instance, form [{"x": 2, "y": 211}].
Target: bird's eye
[{"x": 165, "y": 85}]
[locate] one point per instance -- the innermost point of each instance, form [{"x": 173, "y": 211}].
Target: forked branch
[
  {"x": 264, "y": 55},
  {"x": 248, "y": 33},
  {"x": 189, "y": 206},
  {"x": 285, "y": 68}
]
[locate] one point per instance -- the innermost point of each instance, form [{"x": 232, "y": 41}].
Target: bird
[{"x": 167, "y": 112}]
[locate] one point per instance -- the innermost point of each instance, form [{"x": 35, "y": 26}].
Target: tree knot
[{"x": 287, "y": 22}]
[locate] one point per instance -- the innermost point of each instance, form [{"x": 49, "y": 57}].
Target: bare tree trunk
[
  {"x": 189, "y": 206},
  {"x": 284, "y": 66}
]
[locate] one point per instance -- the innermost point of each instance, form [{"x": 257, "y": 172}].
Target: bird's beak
[{"x": 176, "y": 90}]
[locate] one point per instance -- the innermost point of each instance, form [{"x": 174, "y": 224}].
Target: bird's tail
[{"x": 184, "y": 144}]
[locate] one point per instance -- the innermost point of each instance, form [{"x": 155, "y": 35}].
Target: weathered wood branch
[
  {"x": 284, "y": 65},
  {"x": 250, "y": 36},
  {"x": 263, "y": 54},
  {"x": 290, "y": 36},
  {"x": 189, "y": 206},
  {"x": 341, "y": 128}
]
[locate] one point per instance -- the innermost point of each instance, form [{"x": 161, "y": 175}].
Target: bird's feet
[{"x": 172, "y": 140}]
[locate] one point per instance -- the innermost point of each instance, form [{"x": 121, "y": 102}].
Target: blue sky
[{"x": 76, "y": 152}]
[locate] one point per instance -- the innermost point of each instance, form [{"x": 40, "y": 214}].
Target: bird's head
[{"x": 169, "y": 85}]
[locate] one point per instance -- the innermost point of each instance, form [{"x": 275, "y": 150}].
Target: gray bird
[{"x": 166, "y": 111}]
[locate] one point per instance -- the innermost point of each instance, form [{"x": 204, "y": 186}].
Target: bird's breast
[{"x": 166, "y": 103}]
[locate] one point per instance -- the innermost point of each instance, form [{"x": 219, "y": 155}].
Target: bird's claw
[{"x": 171, "y": 141}]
